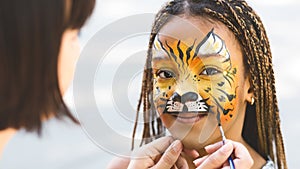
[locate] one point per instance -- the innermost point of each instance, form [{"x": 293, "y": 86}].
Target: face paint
[{"x": 194, "y": 79}]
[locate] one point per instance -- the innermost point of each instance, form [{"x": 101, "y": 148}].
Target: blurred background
[{"x": 64, "y": 145}]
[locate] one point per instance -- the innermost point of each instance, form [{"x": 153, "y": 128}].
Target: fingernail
[
  {"x": 196, "y": 161},
  {"x": 176, "y": 146},
  {"x": 212, "y": 145},
  {"x": 207, "y": 147}
]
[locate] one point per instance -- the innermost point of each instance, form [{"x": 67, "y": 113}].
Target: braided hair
[{"x": 262, "y": 123}]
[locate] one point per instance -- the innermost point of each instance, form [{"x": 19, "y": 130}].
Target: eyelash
[
  {"x": 165, "y": 74},
  {"x": 210, "y": 71}
]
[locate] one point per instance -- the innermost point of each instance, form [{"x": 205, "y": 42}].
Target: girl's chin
[{"x": 192, "y": 144}]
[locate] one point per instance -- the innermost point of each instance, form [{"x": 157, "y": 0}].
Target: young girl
[
  {"x": 209, "y": 63},
  {"x": 38, "y": 50}
]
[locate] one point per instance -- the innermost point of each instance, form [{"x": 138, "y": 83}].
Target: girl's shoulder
[{"x": 269, "y": 165}]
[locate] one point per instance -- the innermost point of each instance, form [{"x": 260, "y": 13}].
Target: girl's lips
[{"x": 189, "y": 117}]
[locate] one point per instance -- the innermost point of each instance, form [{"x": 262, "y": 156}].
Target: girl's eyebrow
[
  {"x": 160, "y": 57},
  {"x": 210, "y": 55},
  {"x": 165, "y": 57}
]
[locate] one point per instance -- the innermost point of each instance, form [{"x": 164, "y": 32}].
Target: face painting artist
[{"x": 39, "y": 47}]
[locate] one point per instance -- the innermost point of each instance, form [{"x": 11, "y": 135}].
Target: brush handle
[
  {"x": 230, "y": 160},
  {"x": 231, "y": 164}
]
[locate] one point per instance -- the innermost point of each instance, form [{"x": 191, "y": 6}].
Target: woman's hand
[
  {"x": 160, "y": 154},
  {"x": 164, "y": 153},
  {"x": 218, "y": 155}
]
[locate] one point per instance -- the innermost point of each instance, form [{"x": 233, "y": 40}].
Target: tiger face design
[{"x": 193, "y": 79}]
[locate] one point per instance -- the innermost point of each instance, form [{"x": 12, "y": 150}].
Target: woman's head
[
  {"x": 36, "y": 39},
  {"x": 246, "y": 72}
]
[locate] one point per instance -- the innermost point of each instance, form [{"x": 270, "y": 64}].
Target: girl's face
[
  {"x": 68, "y": 55},
  {"x": 199, "y": 79}
]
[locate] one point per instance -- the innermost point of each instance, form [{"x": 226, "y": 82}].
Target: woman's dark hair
[
  {"x": 262, "y": 124},
  {"x": 30, "y": 39}
]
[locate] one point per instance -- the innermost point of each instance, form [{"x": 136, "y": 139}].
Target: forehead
[{"x": 191, "y": 30}]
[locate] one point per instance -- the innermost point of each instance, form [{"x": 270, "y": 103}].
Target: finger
[
  {"x": 213, "y": 147},
  {"x": 242, "y": 156},
  {"x": 210, "y": 149},
  {"x": 226, "y": 165},
  {"x": 181, "y": 163},
  {"x": 199, "y": 161},
  {"x": 118, "y": 163},
  {"x": 218, "y": 158},
  {"x": 153, "y": 149},
  {"x": 170, "y": 157},
  {"x": 157, "y": 158},
  {"x": 147, "y": 155},
  {"x": 240, "y": 150},
  {"x": 192, "y": 153}
]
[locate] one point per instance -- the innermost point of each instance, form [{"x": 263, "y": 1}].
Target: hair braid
[
  {"x": 247, "y": 27},
  {"x": 259, "y": 91},
  {"x": 161, "y": 17}
]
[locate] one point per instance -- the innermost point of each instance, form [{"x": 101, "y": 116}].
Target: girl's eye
[
  {"x": 210, "y": 71},
  {"x": 165, "y": 74}
]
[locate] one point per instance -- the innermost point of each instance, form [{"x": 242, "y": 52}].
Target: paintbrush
[{"x": 230, "y": 161}]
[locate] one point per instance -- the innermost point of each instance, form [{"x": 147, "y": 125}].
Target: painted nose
[{"x": 189, "y": 96}]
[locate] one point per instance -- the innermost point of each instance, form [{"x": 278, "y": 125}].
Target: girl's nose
[{"x": 189, "y": 96}]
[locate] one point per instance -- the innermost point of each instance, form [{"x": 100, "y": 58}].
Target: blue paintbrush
[{"x": 230, "y": 161}]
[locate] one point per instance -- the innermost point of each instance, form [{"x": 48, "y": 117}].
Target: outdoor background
[{"x": 64, "y": 145}]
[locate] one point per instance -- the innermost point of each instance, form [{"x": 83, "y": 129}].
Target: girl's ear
[{"x": 249, "y": 92}]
